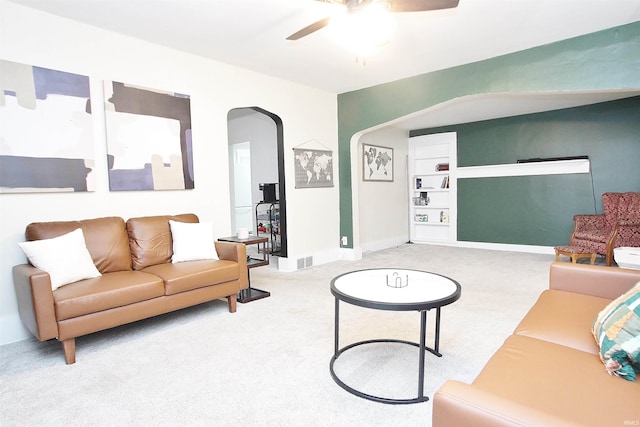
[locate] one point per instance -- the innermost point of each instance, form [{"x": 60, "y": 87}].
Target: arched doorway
[{"x": 256, "y": 156}]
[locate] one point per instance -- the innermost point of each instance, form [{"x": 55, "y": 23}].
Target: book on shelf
[
  {"x": 445, "y": 182},
  {"x": 421, "y": 217}
]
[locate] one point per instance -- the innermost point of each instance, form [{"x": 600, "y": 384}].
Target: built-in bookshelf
[{"x": 432, "y": 200}]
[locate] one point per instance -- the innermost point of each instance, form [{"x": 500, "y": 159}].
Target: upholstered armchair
[{"x": 618, "y": 226}]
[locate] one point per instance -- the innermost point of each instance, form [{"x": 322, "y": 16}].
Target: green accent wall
[
  {"x": 535, "y": 210},
  {"x": 538, "y": 210},
  {"x": 605, "y": 60}
]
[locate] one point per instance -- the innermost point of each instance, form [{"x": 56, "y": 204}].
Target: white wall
[
  {"x": 383, "y": 206},
  {"x": 31, "y": 37}
]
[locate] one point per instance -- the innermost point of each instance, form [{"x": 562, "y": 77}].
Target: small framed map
[
  {"x": 314, "y": 168},
  {"x": 377, "y": 163}
]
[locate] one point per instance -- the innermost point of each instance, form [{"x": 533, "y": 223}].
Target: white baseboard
[
  {"x": 508, "y": 247},
  {"x": 349, "y": 254},
  {"x": 287, "y": 265},
  {"x": 379, "y": 245}
]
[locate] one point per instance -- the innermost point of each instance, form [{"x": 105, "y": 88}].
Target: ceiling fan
[{"x": 393, "y": 6}]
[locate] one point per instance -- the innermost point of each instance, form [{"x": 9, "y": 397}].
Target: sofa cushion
[
  {"x": 106, "y": 239},
  {"x": 617, "y": 332},
  {"x": 185, "y": 276},
  {"x": 568, "y": 385},
  {"x": 111, "y": 290},
  {"x": 563, "y": 318},
  {"x": 192, "y": 241},
  {"x": 65, "y": 258},
  {"x": 150, "y": 239}
]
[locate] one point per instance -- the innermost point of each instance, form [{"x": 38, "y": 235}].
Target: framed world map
[
  {"x": 314, "y": 168},
  {"x": 377, "y": 163}
]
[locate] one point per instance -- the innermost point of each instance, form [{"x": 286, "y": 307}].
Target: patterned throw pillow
[{"x": 617, "y": 332}]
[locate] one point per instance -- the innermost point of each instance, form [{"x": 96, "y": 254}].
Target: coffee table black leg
[
  {"x": 436, "y": 345},
  {"x": 423, "y": 332},
  {"x": 336, "y": 330},
  {"x": 337, "y": 351}
]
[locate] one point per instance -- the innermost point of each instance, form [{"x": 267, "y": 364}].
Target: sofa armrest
[
  {"x": 237, "y": 252},
  {"x": 35, "y": 301},
  {"x": 231, "y": 251},
  {"x": 457, "y": 404},
  {"x": 595, "y": 280}
]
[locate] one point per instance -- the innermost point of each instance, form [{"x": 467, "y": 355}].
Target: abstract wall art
[
  {"x": 148, "y": 138},
  {"x": 46, "y": 136}
]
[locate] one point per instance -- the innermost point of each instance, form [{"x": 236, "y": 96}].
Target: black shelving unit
[
  {"x": 251, "y": 293},
  {"x": 268, "y": 224}
]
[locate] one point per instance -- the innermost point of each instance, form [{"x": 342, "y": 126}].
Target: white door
[{"x": 243, "y": 206}]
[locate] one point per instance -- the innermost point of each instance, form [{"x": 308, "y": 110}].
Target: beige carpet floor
[{"x": 268, "y": 364}]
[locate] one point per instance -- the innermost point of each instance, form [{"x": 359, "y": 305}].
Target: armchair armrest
[
  {"x": 588, "y": 221},
  {"x": 631, "y": 222},
  {"x": 626, "y": 232},
  {"x": 595, "y": 280},
  {"x": 35, "y": 301},
  {"x": 457, "y": 404}
]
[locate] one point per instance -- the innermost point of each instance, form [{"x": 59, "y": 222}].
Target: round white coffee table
[{"x": 395, "y": 290}]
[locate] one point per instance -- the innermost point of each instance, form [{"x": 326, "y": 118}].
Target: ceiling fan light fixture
[{"x": 364, "y": 30}]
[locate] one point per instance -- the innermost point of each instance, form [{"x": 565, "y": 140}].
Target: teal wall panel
[{"x": 536, "y": 210}]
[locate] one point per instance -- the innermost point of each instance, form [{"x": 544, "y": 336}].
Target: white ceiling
[{"x": 251, "y": 34}]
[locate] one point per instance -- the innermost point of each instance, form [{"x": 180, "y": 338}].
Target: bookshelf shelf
[{"x": 432, "y": 199}]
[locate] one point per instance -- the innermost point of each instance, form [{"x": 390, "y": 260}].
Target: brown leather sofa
[
  {"x": 138, "y": 279},
  {"x": 548, "y": 373}
]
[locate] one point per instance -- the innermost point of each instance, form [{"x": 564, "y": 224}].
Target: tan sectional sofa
[
  {"x": 138, "y": 278},
  {"x": 549, "y": 373}
]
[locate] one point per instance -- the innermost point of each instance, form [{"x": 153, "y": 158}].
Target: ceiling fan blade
[
  {"x": 421, "y": 5},
  {"x": 309, "y": 29}
]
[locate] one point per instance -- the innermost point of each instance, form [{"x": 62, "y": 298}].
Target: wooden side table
[
  {"x": 252, "y": 294},
  {"x": 575, "y": 253}
]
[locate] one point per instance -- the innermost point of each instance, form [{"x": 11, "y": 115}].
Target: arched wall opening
[
  {"x": 261, "y": 132},
  {"x": 457, "y": 111}
]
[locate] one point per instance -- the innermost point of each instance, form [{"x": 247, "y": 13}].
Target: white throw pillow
[
  {"x": 66, "y": 258},
  {"x": 192, "y": 241}
]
